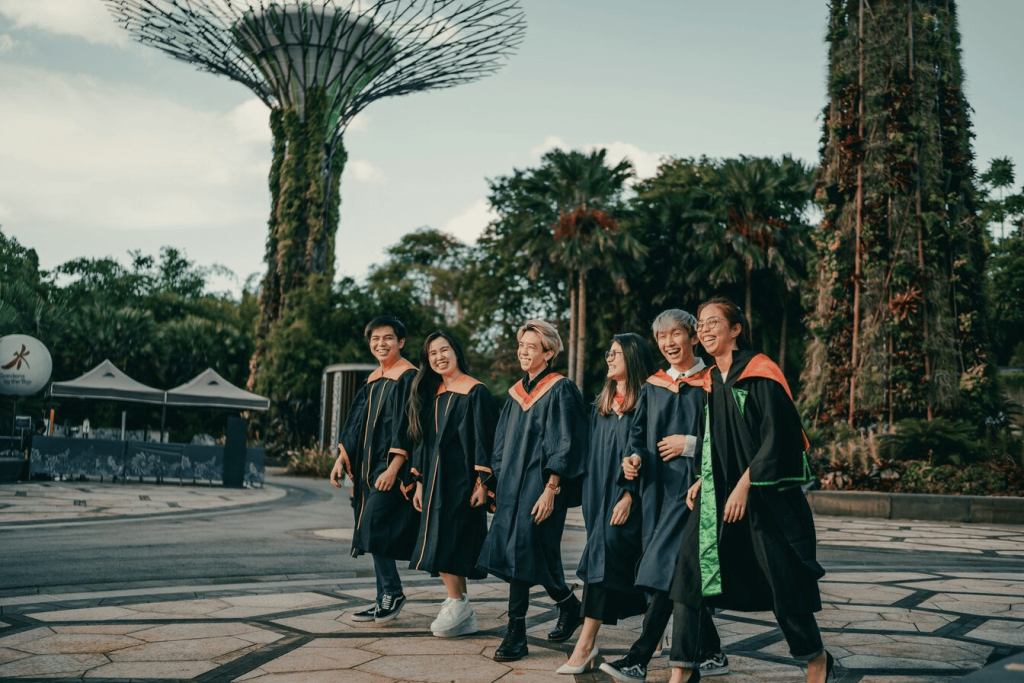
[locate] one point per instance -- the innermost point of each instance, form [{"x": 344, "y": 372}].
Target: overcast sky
[{"x": 106, "y": 145}]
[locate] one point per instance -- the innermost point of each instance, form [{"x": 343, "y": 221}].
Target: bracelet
[{"x": 557, "y": 489}]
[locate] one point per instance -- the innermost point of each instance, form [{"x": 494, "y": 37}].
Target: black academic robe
[
  {"x": 538, "y": 434},
  {"x": 458, "y": 436},
  {"x": 612, "y": 552},
  {"x": 665, "y": 407},
  {"x": 765, "y": 561},
  {"x": 377, "y": 430}
]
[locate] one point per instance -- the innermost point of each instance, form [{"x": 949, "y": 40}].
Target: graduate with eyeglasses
[
  {"x": 612, "y": 515},
  {"x": 750, "y": 545}
]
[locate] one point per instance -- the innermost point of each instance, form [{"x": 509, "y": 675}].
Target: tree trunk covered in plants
[
  {"x": 305, "y": 176},
  {"x": 897, "y": 302}
]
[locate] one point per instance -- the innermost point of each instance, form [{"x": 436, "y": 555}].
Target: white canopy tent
[{"x": 210, "y": 390}]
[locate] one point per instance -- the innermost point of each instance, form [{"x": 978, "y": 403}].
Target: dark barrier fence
[{"x": 70, "y": 458}]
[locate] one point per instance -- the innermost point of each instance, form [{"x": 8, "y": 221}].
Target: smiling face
[
  {"x": 441, "y": 357},
  {"x": 532, "y": 356},
  {"x": 676, "y": 345},
  {"x": 616, "y": 363},
  {"x": 385, "y": 345},
  {"x": 718, "y": 338}
]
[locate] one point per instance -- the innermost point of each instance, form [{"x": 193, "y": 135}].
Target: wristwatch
[{"x": 556, "y": 489}]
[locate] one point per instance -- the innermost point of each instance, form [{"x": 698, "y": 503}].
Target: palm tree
[
  {"x": 754, "y": 225},
  {"x": 582, "y": 192}
]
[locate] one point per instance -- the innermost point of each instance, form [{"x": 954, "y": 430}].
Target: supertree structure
[
  {"x": 897, "y": 310},
  {"x": 317, "y": 64}
]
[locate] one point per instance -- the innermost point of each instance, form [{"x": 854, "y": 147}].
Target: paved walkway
[{"x": 884, "y": 626}]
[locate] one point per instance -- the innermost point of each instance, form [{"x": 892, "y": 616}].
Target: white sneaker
[
  {"x": 443, "y": 614},
  {"x": 458, "y": 619}
]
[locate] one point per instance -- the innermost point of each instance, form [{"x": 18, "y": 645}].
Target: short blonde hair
[{"x": 549, "y": 338}]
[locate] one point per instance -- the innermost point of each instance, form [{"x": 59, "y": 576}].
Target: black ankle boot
[
  {"x": 513, "y": 645},
  {"x": 570, "y": 617}
]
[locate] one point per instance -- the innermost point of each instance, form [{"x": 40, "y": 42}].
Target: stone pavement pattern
[{"x": 884, "y": 626}]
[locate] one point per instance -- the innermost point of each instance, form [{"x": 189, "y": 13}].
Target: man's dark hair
[{"x": 385, "y": 321}]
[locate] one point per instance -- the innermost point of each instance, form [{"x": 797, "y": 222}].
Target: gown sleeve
[
  {"x": 478, "y": 433},
  {"x": 565, "y": 434},
  {"x": 780, "y": 460},
  {"x": 637, "y": 444},
  {"x": 352, "y": 434}
]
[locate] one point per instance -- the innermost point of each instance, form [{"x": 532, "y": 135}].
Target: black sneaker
[
  {"x": 390, "y": 606},
  {"x": 626, "y": 670},
  {"x": 715, "y": 666},
  {"x": 365, "y": 614}
]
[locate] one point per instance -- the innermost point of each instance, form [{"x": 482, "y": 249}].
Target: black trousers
[
  {"x": 608, "y": 605},
  {"x": 519, "y": 596},
  {"x": 690, "y": 636},
  {"x": 656, "y": 619}
]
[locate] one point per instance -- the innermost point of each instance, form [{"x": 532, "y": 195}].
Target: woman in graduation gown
[
  {"x": 451, "y": 419},
  {"x": 539, "y": 447},
  {"x": 750, "y": 546},
  {"x": 374, "y": 450},
  {"x": 612, "y": 517}
]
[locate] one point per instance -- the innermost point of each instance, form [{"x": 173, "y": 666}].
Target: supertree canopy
[{"x": 317, "y": 64}]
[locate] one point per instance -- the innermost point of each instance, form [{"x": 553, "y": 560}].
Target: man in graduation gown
[
  {"x": 659, "y": 468},
  {"x": 374, "y": 449},
  {"x": 539, "y": 448}
]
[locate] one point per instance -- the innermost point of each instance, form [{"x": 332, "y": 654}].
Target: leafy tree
[
  {"x": 757, "y": 226},
  {"x": 561, "y": 220}
]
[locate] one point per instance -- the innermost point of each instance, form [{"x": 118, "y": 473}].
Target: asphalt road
[{"x": 237, "y": 543}]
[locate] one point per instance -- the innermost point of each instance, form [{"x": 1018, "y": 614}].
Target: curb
[{"x": 918, "y": 506}]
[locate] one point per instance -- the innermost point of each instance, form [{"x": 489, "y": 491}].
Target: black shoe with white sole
[{"x": 390, "y": 606}]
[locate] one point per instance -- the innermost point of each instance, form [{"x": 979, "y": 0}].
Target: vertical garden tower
[
  {"x": 897, "y": 311},
  {"x": 316, "y": 64}
]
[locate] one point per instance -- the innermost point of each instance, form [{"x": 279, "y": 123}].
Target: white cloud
[
  {"x": 6, "y": 43},
  {"x": 645, "y": 163},
  {"x": 85, "y": 19},
  {"x": 82, "y": 153},
  {"x": 470, "y": 224},
  {"x": 364, "y": 171},
  {"x": 251, "y": 121}
]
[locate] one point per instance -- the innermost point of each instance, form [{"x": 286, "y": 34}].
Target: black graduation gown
[
  {"x": 538, "y": 434},
  {"x": 665, "y": 407},
  {"x": 612, "y": 552},
  {"x": 458, "y": 436},
  {"x": 376, "y": 430},
  {"x": 766, "y": 561}
]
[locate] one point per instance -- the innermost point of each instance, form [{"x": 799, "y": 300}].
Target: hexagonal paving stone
[
  {"x": 180, "y": 650},
  {"x": 437, "y": 668},
  {"x": 74, "y": 643},
  {"x": 149, "y": 670},
  {"x": 51, "y": 665},
  {"x": 308, "y": 658}
]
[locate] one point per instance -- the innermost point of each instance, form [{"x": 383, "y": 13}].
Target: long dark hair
[
  {"x": 639, "y": 366},
  {"x": 426, "y": 382},
  {"x": 735, "y": 317}
]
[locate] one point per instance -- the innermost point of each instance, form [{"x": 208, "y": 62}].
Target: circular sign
[{"x": 25, "y": 365}]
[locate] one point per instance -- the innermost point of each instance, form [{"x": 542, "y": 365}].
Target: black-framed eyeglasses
[
  {"x": 610, "y": 355},
  {"x": 710, "y": 322}
]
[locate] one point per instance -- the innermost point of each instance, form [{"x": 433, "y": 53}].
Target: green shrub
[
  {"x": 939, "y": 441},
  {"x": 310, "y": 462}
]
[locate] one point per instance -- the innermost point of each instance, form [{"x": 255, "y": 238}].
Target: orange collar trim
[
  {"x": 664, "y": 380},
  {"x": 763, "y": 366},
  {"x": 393, "y": 372},
  {"x": 525, "y": 400},
  {"x": 461, "y": 386}
]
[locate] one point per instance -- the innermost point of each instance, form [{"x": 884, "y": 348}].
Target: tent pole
[
  {"x": 124, "y": 415},
  {"x": 163, "y": 421}
]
